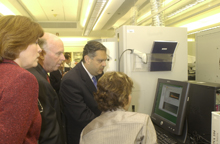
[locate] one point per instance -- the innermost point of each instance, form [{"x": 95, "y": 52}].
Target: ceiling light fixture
[
  {"x": 191, "y": 40},
  {"x": 5, "y": 11},
  {"x": 98, "y": 8},
  {"x": 214, "y": 19},
  {"x": 87, "y": 12},
  {"x": 203, "y": 30},
  {"x": 102, "y": 13},
  {"x": 185, "y": 8},
  {"x": 144, "y": 16}
]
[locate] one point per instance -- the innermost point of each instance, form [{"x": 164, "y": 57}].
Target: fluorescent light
[
  {"x": 5, "y": 11},
  {"x": 185, "y": 8},
  {"x": 203, "y": 22},
  {"x": 99, "y": 6},
  {"x": 190, "y": 39},
  {"x": 66, "y": 39},
  {"x": 203, "y": 30},
  {"x": 167, "y": 2},
  {"x": 87, "y": 12},
  {"x": 144, "y": 16},
  {"x": 102, "y": 13}
]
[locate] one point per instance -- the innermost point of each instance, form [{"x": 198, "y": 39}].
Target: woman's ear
[{"x": 128, "y": 104}]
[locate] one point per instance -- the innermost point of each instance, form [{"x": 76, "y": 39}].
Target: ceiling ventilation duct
[
  {"x": 58, "y": 24},
  {"x": 157, "y": 20},
  {"x": 134, "y": 13}
]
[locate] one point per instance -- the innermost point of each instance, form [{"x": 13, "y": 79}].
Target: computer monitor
[
  {"x": 203, "y": 99},
  {"x": 169, "y": 109}
]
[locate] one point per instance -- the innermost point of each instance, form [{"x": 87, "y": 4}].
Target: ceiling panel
[
  {"x": 34, "y": 8},
  {"x": 121, "y": 11},
  {"x": 64, "y": 16},
  {"x": 71, "y": 9},
  {"x": 54, "y": 11}
]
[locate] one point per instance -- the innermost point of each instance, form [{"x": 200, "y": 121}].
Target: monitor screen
[{"x": 170, "y": 105}]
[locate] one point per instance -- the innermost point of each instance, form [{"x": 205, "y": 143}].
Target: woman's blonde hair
[
  {"x": 16, "y": 33},
  {"x": 113, "y": 90}
]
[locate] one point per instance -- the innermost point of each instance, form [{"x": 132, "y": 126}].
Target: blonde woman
[{"x": 116, "y": 125}]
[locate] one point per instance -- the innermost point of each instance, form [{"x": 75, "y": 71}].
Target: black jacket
[
  {"x": 55, "y": 80},
  {"x": 80, "y": 107},
  {"x": 52, "y": 126}
]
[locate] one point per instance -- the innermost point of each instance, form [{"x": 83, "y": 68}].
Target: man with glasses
[
  {"x": 50, "y": 59},
  {"x": 77, "y": 88}
]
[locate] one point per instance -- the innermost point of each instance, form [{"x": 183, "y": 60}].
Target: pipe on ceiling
[
  {"x": 134, "y": 15},
  {"x": 158, "y": 19}
]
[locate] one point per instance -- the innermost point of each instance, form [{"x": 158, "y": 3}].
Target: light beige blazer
[{"x": 119, "y": 127}]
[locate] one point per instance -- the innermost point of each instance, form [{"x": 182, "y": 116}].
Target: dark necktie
[{"x": 94, "y": 81}]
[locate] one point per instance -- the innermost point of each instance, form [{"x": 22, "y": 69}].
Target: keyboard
[{"x": 162, "y": 138}]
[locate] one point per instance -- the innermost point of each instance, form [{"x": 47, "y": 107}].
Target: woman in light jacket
[{"x": 116, "y": 125}]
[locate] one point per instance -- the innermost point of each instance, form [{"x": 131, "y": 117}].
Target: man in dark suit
[
  {"x": 77, "y": 90},
  {"x": 50, "y": 59}
]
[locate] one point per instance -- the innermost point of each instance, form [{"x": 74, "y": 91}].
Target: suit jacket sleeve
[
  {"x": 77, "y": 99},
  {"x": 50, "y": 129}
]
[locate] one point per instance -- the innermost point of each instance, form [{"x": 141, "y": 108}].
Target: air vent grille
[{"x": 58, "y": 24}]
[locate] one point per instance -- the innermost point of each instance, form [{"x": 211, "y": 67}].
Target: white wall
[
  {"x": 111, "y": 47},
  {"x": 73, "y": 49},
  {"x": 192, "y": 48},
  {"x": 208, "y": 56},
  {"x": 141, "y": 38}
]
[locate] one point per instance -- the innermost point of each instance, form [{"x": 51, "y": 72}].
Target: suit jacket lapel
[
  {"x": 41, "y": 71},
  {"x": 85, "y": 77}
]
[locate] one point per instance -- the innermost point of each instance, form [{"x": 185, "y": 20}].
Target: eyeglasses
[
  {"x": 40, "y": 107},
  {"x": 108, "y": 57},
  {"x": 104, "y": 60}
]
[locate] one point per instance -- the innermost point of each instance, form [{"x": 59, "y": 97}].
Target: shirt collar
[
  {"x": 87, "y": 71},
  {"x": 118, "y": 109}
]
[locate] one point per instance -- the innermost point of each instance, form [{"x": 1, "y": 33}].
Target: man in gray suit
[
  {"x": 77, "y": 88},
  {"x": 50, "y": 59}
]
